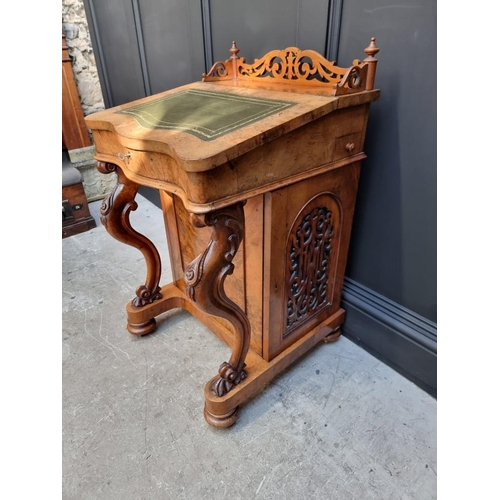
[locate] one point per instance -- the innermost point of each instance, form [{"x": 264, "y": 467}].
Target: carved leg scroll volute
[
  {"x": 205, "y": 278},
  {"x": 115, "y": 212}
]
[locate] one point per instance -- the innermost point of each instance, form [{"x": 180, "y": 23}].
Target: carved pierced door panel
[
  {"x": 312, "y": 251},
  {"x": 307, "y": 229}
]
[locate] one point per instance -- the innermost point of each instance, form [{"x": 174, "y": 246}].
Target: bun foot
[
  {"x": 221, "y": 421},
  {"x": 332, "y": 337},
  {"x": 142, "y": 328}
]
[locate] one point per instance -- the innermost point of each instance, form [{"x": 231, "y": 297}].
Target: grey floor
[{"x": 338, "y": 424}]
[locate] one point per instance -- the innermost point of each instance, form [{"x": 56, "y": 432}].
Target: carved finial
[
  {"x": 234, "y": 58},
  {"x": 371, "y": 50},
  {"x": 371, "y": 61},
  {"x": 234, "y": 51}
]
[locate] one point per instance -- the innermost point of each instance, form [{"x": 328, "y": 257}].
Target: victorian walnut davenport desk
[{"x": 261, "y": 157}]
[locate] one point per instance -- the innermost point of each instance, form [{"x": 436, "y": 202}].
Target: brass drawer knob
[
  {"x": 122, "y": 156},
  {"x": 349, "y": 146}
]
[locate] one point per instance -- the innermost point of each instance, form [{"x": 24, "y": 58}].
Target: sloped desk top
[
  {"x": 205, "y": 114},
  {"x": 246, "y": 118}
]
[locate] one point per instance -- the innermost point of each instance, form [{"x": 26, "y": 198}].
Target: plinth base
[{"x": 222, "y": 411}]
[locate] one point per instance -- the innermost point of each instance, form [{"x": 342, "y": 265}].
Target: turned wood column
[{"x": 115, "y": 217}]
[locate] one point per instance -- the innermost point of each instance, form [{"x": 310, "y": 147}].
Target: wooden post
[
  {"x": 234, "y": 58},
  {"x": 74, "y": 130},
  {"x": 370, "y": 51}
]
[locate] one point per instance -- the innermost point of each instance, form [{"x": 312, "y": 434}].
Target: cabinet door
[{"x": 306, "y": 238}]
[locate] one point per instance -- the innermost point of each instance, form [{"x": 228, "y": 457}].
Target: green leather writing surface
[{"x": 204, "y": 114}]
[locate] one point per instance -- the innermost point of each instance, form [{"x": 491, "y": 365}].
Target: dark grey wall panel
[
  {"x": 393, "y": 247},
  {"x": 333, "y": 30},
  {"x": 173, "y": 42},
  {"x": 398, "y": 336},
  {"x": 263, "y": 25},
  {"x": 116, "y": 44}
]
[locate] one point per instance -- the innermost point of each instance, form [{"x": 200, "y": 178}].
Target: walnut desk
[{"x": 263, "y": 158}]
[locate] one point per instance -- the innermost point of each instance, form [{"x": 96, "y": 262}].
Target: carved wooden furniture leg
[
  {"x": 115, "y": 211},
  {"x": 204, "y": 279}
]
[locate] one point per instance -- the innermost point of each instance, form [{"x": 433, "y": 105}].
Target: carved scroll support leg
[
  {"x": 205, "y": 278},
  {"x": 115, "y": 217}
]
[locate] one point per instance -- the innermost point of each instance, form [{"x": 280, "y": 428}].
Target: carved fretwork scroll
[
  {"x": 294, "y": 64},
  {"x": 310, "y": 249},
  {"x": 115, "y": 217},
  {"x": 300, "y": 67},
  {"x": 205, "y": 278}
]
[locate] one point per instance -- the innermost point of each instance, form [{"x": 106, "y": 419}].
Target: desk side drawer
[{"x": 348, "y": 145}]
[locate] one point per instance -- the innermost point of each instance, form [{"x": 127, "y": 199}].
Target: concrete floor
[{"x": 338, "y": 424}]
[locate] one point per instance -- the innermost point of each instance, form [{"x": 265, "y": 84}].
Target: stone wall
[{"x": 75, "y": 27}]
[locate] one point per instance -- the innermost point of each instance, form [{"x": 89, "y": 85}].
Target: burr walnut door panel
[{"x": 306, "y": 237}]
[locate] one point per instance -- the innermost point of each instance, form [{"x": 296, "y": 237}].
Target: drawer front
[{"x": 348, "y": 145}]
